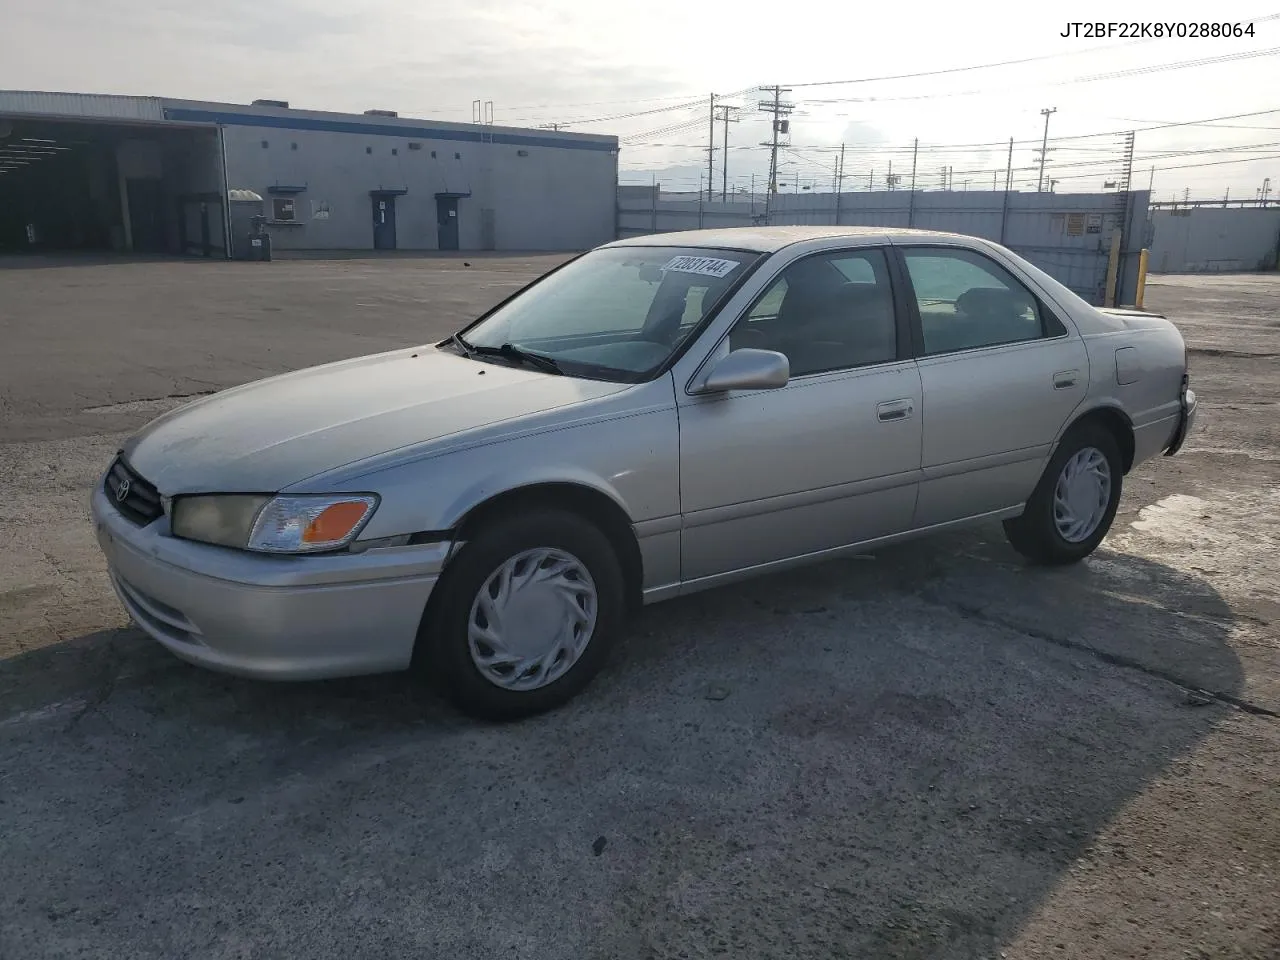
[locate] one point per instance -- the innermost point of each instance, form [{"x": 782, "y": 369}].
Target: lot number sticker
[{"x": 705, "y": 266}]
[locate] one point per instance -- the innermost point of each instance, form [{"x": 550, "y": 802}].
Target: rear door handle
[
  {"x": 896, "y": 409},
  {"x": 1065, "y": 378}
]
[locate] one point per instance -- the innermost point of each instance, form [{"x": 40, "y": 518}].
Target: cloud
[{"x": 565, "y": 60}]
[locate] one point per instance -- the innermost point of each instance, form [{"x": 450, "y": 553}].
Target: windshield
[{"x": 615, "y": 313}]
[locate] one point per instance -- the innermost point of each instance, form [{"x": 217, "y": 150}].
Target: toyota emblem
[{"x": 122, "y": 491}]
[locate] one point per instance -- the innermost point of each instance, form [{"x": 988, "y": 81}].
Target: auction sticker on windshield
[{"x": 706, "y": 266}]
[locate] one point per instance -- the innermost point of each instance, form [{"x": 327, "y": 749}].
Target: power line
[
  {"x": 1103, "y": 164},
  {"x": 976, "y": 66},
  {"x": 958, "y": 147},
  {"x": 594, "y": 103},
  {"x": 1112, "y": 75},
  {"x": 1186, "y": 166},
  {"x": 686, "y": 105},
  {"x": 690, "y": 105},
  {"x": 663, "y": 131}
]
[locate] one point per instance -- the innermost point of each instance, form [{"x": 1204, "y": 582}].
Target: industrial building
[{"x": 154, "y": 175}]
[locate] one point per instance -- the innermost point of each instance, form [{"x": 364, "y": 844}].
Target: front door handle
[
  {"x": 896, "y": 409},
  {"x": 1065, "y": 378}
]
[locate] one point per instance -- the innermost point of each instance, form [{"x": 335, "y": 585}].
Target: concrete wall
[
  {"x": 531, "y": 194},
  {"x": 1067, "y": 235},
  {"x": 1211, "y": 239}
]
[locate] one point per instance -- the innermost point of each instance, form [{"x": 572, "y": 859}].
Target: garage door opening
[{"x": 101, "y": 187}]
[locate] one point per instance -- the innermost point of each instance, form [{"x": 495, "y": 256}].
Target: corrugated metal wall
[
  {"x": 1213, "y": 239},
  {"x": 80, "y": 105},
  {"x": 1067, "y": 235}
]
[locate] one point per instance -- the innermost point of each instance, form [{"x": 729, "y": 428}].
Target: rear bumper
[
  {"x": 276, "y": 618},
  {"x": 1186, "y": 420}
]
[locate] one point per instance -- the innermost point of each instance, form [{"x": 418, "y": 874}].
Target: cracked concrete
[{"x": 929, "y": 751}]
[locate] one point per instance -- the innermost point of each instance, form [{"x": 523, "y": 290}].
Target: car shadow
[{"x": 891, "y": 756}]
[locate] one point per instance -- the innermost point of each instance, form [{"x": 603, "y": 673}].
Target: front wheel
[
  {"x": 1075, "y": 501},
  {"x": 526, "y": 613}
]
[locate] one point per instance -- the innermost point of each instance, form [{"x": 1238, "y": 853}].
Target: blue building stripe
[{"x": 228, "y": 118}]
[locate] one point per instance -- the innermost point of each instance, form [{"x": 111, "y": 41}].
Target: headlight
[
  {"x": 225, "y": 521},
  {"x": 285, "y": 524}
]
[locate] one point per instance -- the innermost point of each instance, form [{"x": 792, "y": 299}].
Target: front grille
[{"x": 141, "y": 501}]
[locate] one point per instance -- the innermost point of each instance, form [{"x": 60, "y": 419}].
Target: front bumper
[
  {"x": 1186, "y": 420},
  {"x": 271, "y": 617}
]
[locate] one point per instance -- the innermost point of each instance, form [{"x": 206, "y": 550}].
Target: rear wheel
[
  {"x": 1075, "y": 501},
  {"x": 525, "y": 615}
]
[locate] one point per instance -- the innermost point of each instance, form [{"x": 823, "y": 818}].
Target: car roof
[{"x": 771, "y": 239}]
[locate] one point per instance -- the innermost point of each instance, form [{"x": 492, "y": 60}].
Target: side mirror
[{"x": 747, "y": 369}]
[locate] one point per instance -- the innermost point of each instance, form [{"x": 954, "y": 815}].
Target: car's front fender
[{"x": 630, "y": 456}]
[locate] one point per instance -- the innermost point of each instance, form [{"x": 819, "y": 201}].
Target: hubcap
[
  {"x": 1082, "y": 494},
  {"x": 532, "y": 619}
]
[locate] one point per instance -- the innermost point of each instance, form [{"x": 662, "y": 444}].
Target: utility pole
[
  {"x": 1266, "y": 189},
  {"x": 1126, "y": 180},
  {"x": 871, "y": 180},
  {"x": 951, "y": 177},
  {"x": 1044, "y": 144},
  {"x": 1008, "y": 183},
  {"x": 839, "y": 183},
  {"x": 725, "y": 110},
  {"x": 911, "y": 200},
  {"x": 1126, "y": 191},
  {"x": 711, "y": 149},
  {"x": 779, "y": 111},
  {"x": 889, "y": 181}
]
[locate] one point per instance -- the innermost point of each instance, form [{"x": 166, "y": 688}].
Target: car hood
[{"x": 266, "y": 435}]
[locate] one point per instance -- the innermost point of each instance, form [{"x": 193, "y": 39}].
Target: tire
[
  {"x": 548, "y": 540},
  {"x": 1039, "y": 533}
]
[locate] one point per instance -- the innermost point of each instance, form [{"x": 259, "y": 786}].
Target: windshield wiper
[
  {"x": 466, "y": 348},
  {"x": 511, "y": 352}
]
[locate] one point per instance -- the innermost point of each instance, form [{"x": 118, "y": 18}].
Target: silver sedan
[{"x": 655, "y": 417}]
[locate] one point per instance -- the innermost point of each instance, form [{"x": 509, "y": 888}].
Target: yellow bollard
[{"x": 1142, "y": 278}]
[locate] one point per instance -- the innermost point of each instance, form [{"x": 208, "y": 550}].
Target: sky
[{"x": 645, "y": 72}]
